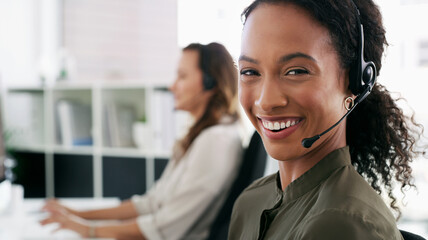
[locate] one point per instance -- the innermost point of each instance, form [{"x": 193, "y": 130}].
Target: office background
[{"x": 110, "y": 59}]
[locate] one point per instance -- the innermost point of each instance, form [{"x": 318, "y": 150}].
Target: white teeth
[{"x": 278, "y": 125}]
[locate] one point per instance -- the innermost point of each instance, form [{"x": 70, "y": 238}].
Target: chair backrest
[
  {"x": 252, "y": 167},
  {"x": 410, "y": 236}
]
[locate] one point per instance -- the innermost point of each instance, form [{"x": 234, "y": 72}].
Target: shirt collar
[{"x": 314, "y": 176}]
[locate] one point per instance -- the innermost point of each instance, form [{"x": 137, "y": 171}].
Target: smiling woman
[
  {"x": 296, "y": 78},
  {"x": 302, "y": 69}
]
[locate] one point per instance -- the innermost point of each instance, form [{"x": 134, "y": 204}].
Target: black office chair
[
  {"x": 410, "y": 236},
  {"x": 252, "y": 167}
]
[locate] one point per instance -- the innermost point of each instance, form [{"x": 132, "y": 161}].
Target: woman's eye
[
  {"x": 297, "y": 71},
  {"x": 250, "y": 72}
]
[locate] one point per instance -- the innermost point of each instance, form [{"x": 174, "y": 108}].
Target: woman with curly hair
[{"x": 305, "y": 65}]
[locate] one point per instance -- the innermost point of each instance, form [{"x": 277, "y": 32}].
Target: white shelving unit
[{"x": 31, "y": 117}]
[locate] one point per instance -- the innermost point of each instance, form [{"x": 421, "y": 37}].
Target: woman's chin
[
  {"x": 178, "y": 106},
  {"x": 283, "y": 152}
]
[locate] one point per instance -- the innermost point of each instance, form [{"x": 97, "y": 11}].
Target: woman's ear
[
  {"x": 344, "y": 77},
  {"x": 210, "y": 93}
]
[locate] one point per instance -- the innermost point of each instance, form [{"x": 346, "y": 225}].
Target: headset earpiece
[
  {"x": 369, "y": 74},
  {"x": 208, "y": 81},
  {"x": 362, "y": 75}
]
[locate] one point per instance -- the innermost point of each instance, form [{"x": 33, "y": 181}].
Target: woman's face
[
  {"x": 188, "y": 90},
  {"x": 291, "y": 84}
]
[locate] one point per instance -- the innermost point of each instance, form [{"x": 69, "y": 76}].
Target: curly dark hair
[{"x": 382, "y": 140}]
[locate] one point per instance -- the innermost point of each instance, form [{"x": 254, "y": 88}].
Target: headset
[
  {"x": 208, "y": 81},
  {"x": 362, "y": 75},
  {"x": 362, "y": 78}
]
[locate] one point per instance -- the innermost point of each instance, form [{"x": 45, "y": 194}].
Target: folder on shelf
[
  {"x": 118, "y": 121},
  {"x": 74, "y": 123}
]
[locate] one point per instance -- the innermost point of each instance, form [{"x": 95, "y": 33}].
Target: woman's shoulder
[
  {"x": 346, "y": 189},
  {"x": 220, "y": 132},
  {"x": 268, "y": 181},
  {"x": 220, "y": 128},
  {"x": 221, "y": 141},
  {"x": 258, "y": 194},
  {"x": 340, "y": 224},
  {"x": 346, "y": 200}
]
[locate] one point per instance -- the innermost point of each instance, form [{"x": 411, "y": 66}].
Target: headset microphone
[{"x": 307, "y": 142}]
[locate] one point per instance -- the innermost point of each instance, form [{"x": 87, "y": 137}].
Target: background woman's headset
[{"x": 208, "y": 81}]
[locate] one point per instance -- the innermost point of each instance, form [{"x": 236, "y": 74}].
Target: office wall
[
  {"x": 18, "y": 40},
  {"x": 121, "y": 40},
  {"x": 133, "y": 40}
]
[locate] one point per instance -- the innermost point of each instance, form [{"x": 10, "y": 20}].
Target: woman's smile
[{"x": 279, "y": 128}]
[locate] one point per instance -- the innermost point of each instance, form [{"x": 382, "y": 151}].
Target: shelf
[
  {"x": 135, "y": 152},
  {"x": 27, "y": 148},
  {"x": 130, "y": 85},
  {"x": 26, "y": 90},
  {"x": 102, "y": 84},
  {"x": 78, "y": 150},
  {"x": 90, "y": 150},
  {"x": 46, "y": 121}
]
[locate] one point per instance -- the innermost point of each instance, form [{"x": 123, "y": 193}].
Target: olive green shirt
[{"x": 330, "y": 201}]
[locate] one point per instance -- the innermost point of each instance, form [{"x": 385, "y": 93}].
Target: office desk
[{"x": 23, "y": 224}]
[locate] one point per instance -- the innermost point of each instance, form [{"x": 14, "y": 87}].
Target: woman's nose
[
  {"x": 271, "y": 97},
  {"x": 172, "y": 87}
]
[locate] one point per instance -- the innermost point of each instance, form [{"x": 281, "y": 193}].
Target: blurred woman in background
[{"x": 185, "y": 200}]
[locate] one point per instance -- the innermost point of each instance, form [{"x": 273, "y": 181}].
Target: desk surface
[{"x": 23, "y": 224}]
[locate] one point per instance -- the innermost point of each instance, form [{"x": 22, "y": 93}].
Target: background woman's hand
[
  {"x": 52, "y": 204},
  {"x": 66, "y": 220}
]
